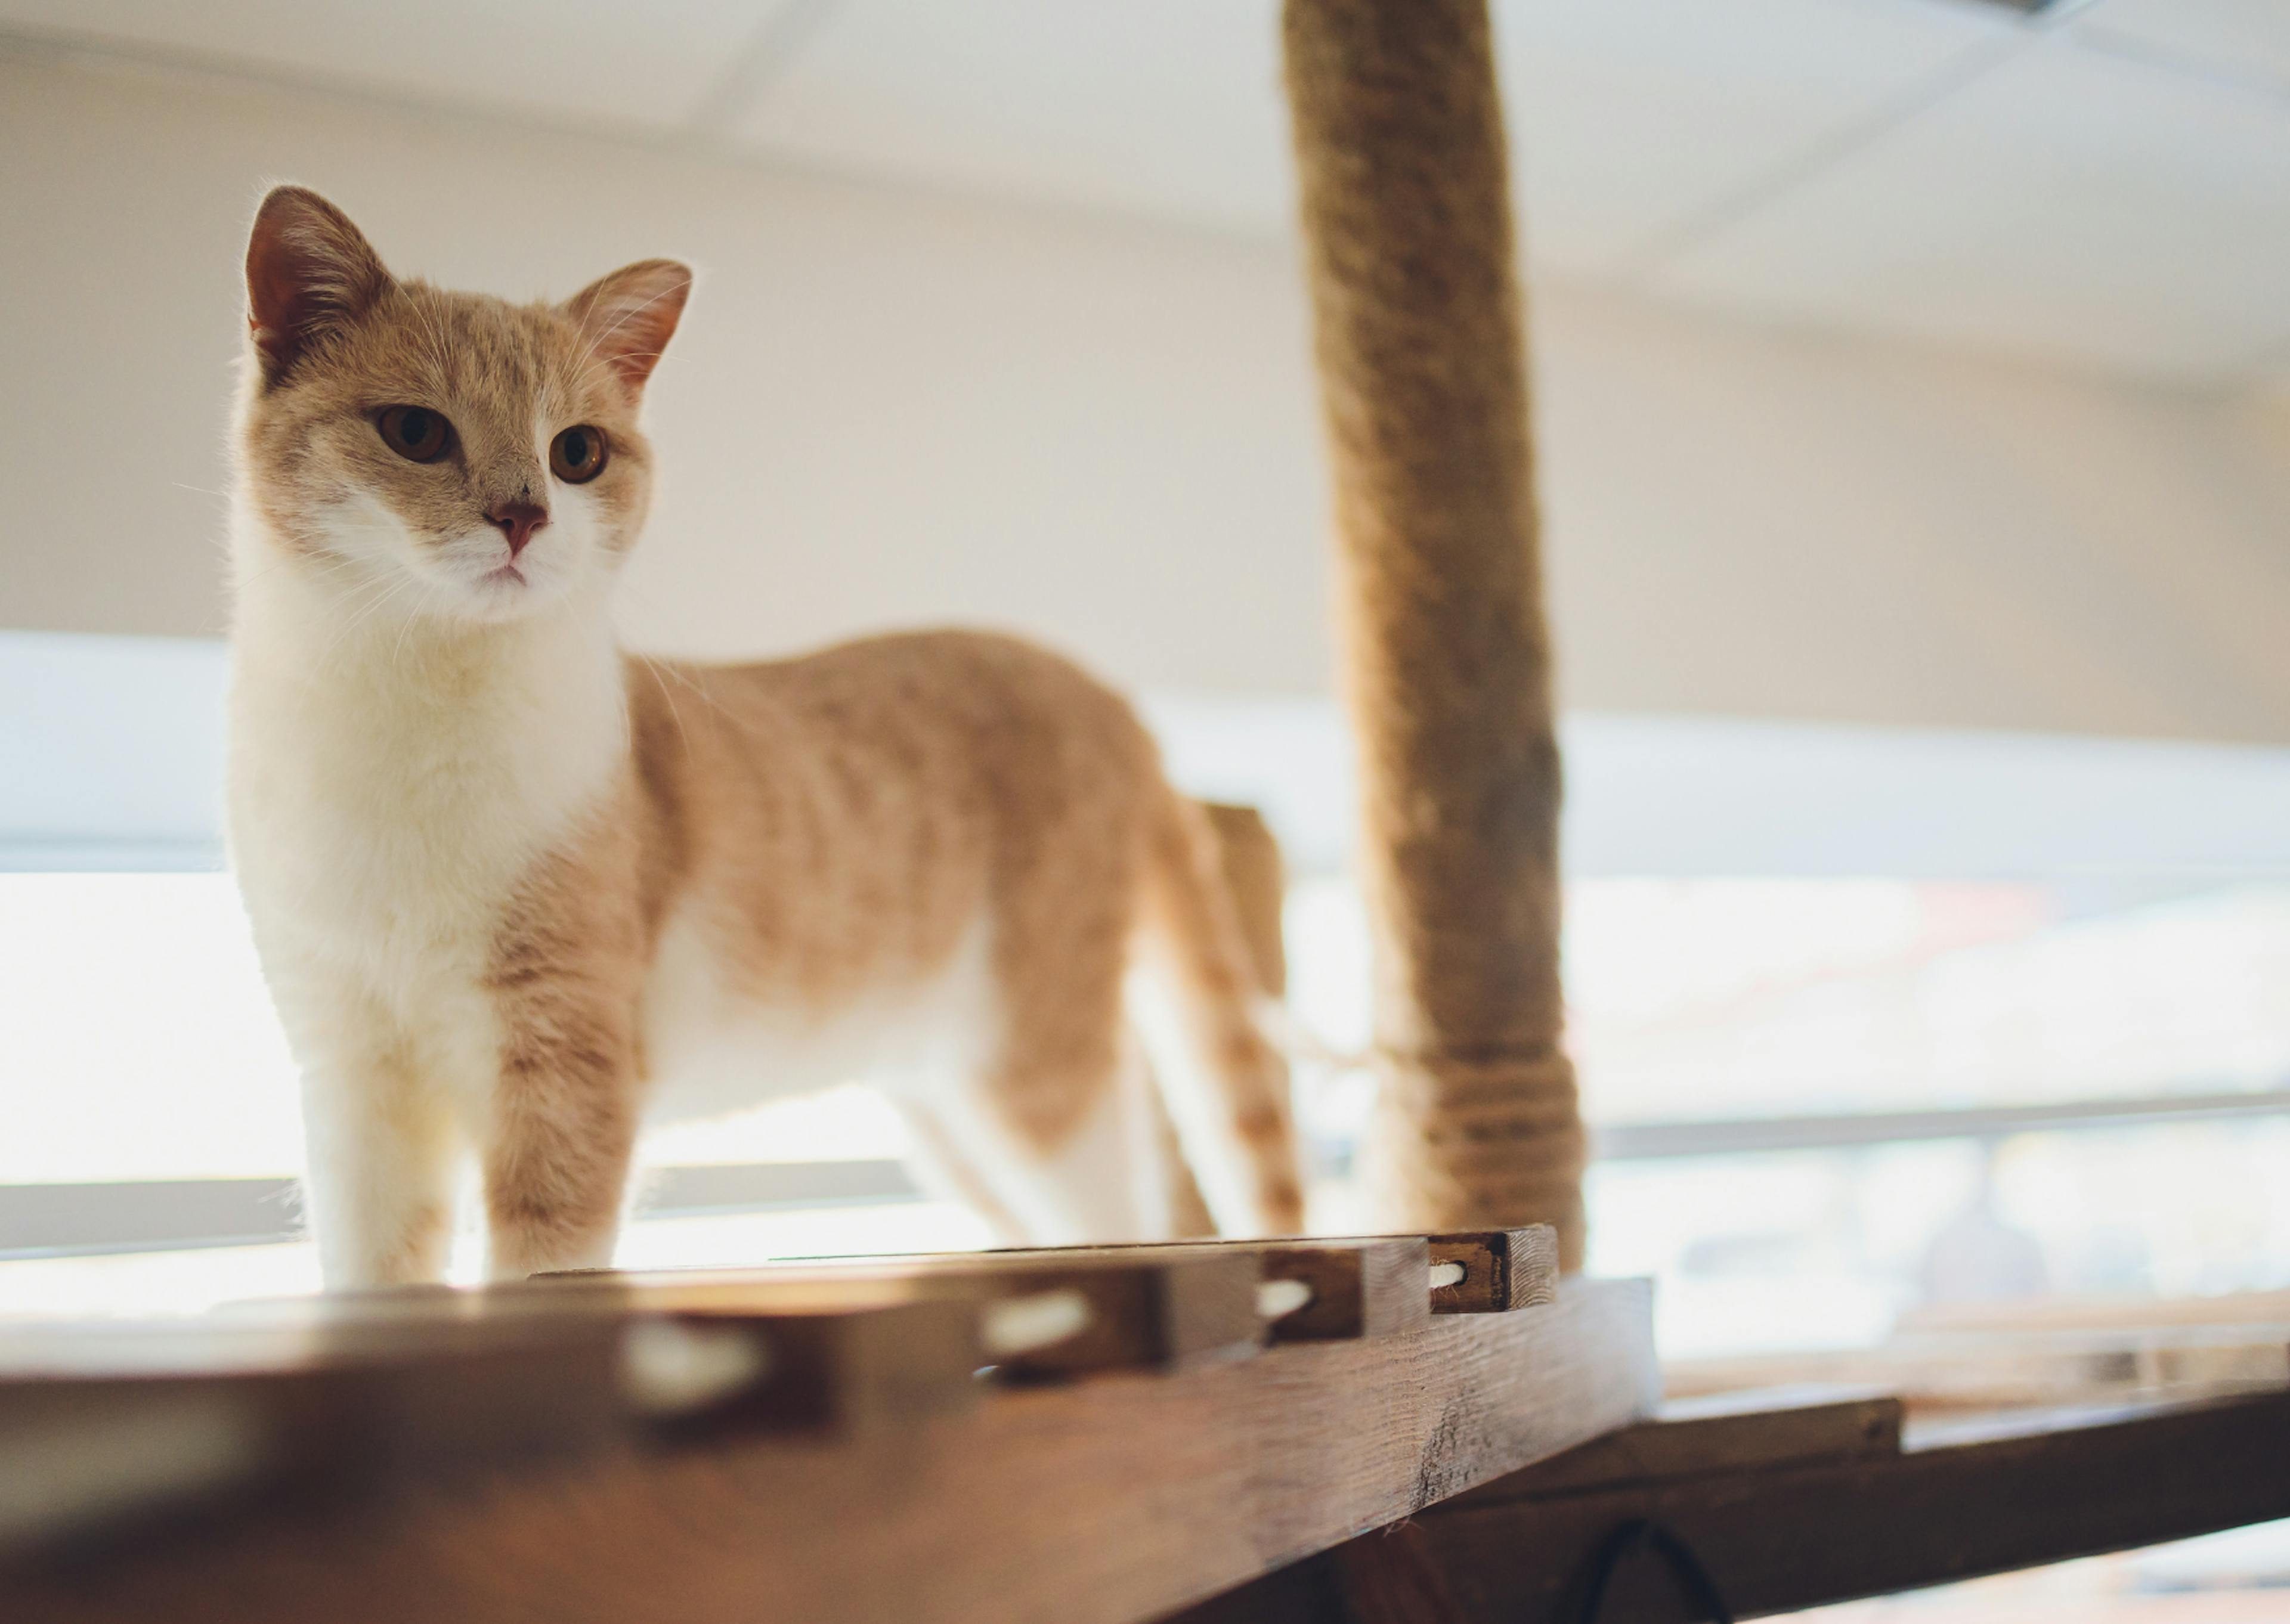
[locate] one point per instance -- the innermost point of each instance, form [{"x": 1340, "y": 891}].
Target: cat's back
[
  {"x": 858, "y": 833},
  {"x": 939, "y": 706},
  {"x": 914, "y": 778}
]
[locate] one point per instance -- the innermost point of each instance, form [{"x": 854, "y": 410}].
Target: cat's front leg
[
  {"x": 562, "y": 1134},
  {"x": 382, "y": 1150}
]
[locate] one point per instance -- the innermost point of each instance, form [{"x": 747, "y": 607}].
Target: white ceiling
[{"x": 2110, "y": 183}]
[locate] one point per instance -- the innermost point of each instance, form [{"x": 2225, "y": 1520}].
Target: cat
[{"x": 516, "y": 892}]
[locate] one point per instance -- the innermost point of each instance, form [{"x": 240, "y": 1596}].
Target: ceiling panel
[
  {"x": 2248, "y": 39},
  {"x": 2071, "y": 201},
  {"x": 610, "y": 62},
  {"x": 1170, "y": 107},
  {"x": 2115, "y": 190},
  {"x": 1633, "y": 116}
]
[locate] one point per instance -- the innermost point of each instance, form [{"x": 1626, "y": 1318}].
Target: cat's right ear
[{"x": 308, "y": 272}]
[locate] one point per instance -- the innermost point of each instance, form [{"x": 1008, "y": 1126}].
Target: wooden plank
[
  {"x": 1504, "y": 1270},
  {"x": 1477, "y": 1271},
  {"x": 2119, "y": 1313},
  {"x": 353, "y": 1393},
  {"x": 1142, "y": 1311},
  {"x": 1100, "y": 1502},
  {"x": 1357, "y": 1285},
  {"x": 838, "y": 1371},
  {"x": 1801, "y": 1536},
  {"x": 294, "y": 1335},
  {"x": 2022, "y": 1369},
  {"x": 1389, "y": 1577},
  {"x": 1804, "y": 1534},
  {"x": 107, "y": 1426},
  {"x": 1359, "y": 1288},
  {"x": 1729, "y": 1433},
  {"x": 823, "y": 1356}
]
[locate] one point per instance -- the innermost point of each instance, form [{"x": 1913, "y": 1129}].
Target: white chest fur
[{"x": 392, "y": 779}]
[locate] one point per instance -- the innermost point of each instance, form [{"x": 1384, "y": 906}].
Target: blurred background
[{"x": 1913, "y": 394}]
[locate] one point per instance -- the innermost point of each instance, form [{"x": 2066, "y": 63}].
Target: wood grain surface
[
  {"x": 1795, "y": 1505},
  {"x": 1736, "y": 1432},
  {"x": 1158, "y": 1308},
  {"x": 1108, "y": 1501},
  {"x": 107, "y": 1428}
]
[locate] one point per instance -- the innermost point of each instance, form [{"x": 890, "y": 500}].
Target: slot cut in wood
[
  {"x": 808, "y": 1357},
  {"x": 1117, "y": 1311},
  {"x": 1504, "y": 1270},
  {"x": 1355, "y": 1286}
]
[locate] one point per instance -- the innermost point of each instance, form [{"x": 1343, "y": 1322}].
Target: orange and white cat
[{"x": 516, "y": 893}]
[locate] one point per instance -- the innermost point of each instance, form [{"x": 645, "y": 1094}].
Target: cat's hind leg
[
  {"x": 1104, "y": 1178},
  {"x": 1195, "y": 997},
  {"x": 949, "y": 1170}
]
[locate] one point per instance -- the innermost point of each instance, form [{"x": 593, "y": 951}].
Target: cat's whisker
[
  {"x": 379, "y": 592},
  {"x": 674, "y": 715},
  {"x": 398, "y": 650}
]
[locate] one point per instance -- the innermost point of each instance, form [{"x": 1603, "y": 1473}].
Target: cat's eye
[
  {"x": 415, "y": 433},
  {"x": 577, "y": 456}
]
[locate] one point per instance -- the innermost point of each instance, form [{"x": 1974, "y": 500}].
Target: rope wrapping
[{"x": 1404, "y": 177}]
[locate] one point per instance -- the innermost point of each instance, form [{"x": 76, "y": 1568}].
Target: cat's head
[{"x": 470, "y": 458}]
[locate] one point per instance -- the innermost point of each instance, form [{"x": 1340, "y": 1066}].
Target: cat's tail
[{"x": 1225, "y": 1081}]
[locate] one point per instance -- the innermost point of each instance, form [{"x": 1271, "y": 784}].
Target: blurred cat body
[{"x": 516, "y": 893}]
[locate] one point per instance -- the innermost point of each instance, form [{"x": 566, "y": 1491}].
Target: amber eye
[
  {"x": 415, "y": 433},
  {"x": 577, "y": 456}
]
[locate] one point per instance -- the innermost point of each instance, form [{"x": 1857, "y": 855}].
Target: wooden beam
[
  {"x": 1739, "y": 1432},
  {"x": 2023, "y": 1369},
  {"x": 105, "y": 1429},
  {"x": 1478, "y": 1271},
  {"x": 1797, "y": 1508},
  {"x": 1102, "y": 1502},
  {"x": 1802, "y": 1535}
]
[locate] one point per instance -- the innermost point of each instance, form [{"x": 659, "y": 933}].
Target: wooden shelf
[{"x": 1115, "y": 1499}]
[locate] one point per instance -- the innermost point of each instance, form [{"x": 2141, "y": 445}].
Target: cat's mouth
[{"x": 508, "y": 574}]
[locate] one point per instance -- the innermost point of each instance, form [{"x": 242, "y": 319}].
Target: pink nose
[{"x": 518, "y": 521}]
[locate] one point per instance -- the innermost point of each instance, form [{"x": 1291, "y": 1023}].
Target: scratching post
[{"x": 1406, "y": 218}]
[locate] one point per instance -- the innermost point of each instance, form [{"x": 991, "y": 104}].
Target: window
[
  {"x": 1872, "y": 1022},
  {"x": 1868, "y": 1021}
]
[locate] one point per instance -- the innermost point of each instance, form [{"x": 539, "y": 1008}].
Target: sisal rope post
[{"x": 1417, "y": 323}]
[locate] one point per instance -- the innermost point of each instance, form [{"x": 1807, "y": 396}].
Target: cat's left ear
[
  {"x": 309, "y": 273},
  {"x": 629, "y": 317}
]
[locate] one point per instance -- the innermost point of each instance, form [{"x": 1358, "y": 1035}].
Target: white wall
[{"x": 890, "y": 407}]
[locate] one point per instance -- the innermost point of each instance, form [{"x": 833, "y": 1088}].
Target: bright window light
[
  {"x": 1763, "y": 921},
  {"x": 140, "y": 1042}
]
